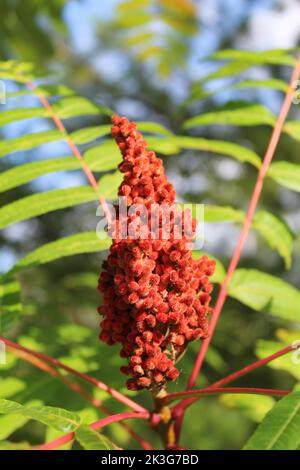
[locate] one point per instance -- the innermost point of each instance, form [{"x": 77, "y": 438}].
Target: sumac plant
[{"x": 157, "y": 301}]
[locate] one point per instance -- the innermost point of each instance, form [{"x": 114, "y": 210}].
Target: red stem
[
  {"x": 247, "y": 223},
  {"x": 179, "y": 409},
  {"x": 216, "y": 390},
  {"x": 244, "y": 232},
  {"x": 96, "y": 425},
  {"x": 114, "y": 393},
  {"x": 73, "y": 147}
]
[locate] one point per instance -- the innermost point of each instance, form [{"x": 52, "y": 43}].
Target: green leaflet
[
  {"x": 266, "y": 293},
  {"x": 86, "y": 242},
  {"x": 78, "y": 106},
  {"x": 227, "y": 70},
  {"x": 286, "y": 174},
  {"x": 153, "y": 128},
  {"x": 272, "y": 56},
  {"x": 41, "y": 203},
  {"x": 277, "y": 233},
  {"x": 272, "y": 83},
  {"x": 90, "y": 439},
  {"x": 60, "y": 419},
  {"x": 274, "y": 230},
  {"x": 280, "y": 428},
  {"x": 22, "y": 113},
  {"x": 222, "y": 214},
  {"x": 199, "y": 93},
  {"x": 48, "y": 201},
  {"x": 240, "y": 153},
  {"x": 22, "y": 174},
  {"x": 29, "y": 141},
  {"x": 241, "y": 114},
  {"x": 165, "y": 146},
  {"x": 88, "y": 134},
  {"x": 292, "y": 128},
  {"x": 103, "y": 157}
]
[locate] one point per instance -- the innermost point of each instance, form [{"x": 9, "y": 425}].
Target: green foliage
[
  {"x": 60, "y": 419},
  {"x": 240, "y": 114},
  {"x": 274, "y": 230},
  {"x": 286, "y": 174},
  {"x": 86, "y": 242},
  {"x": 59, "y": 302},
  {"x": 279, "y": 429},
  {"x": 262, "y": 291},
  {"x": 90, "y": 439},
  {"x": 254, "y": 409},
  {"x": 136, "y": 23}
]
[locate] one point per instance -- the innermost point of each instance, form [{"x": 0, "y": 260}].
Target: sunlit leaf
[
  {"x": 242, "y": 154},
  {"x": 271, "y": 56},
  {"x": 222, "y": 214},
  {"x": 273, "y": 83},
  {"x": 88, "y": 134},
  {"x": 59, "y": 418},
  {"x": 277, "y": 233},
  {"x": 246, "y": 114},
  {"x": 42, "y": 203},
  {"x": 86, "y": 242},
  {"x": 90, "y": 439},
  {"x": 267, "y": 293},
  {"x": 292, "y": 128},
  {"x": 29, "y": 141},
  {"x": 78, "y": 106},
  {"x": 103, "y": 157},
  {"x": 22, "y": 113},
  {"x": 280, "y": 428},
  {"x": 286, "y": 174},
  {"x": 23, "y": 174}
]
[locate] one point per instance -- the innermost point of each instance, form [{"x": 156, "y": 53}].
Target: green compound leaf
[
  {"x": 90, "y": 439},
  {"x": 266, "y": 293},
  {"x": 280, "y": 428}
]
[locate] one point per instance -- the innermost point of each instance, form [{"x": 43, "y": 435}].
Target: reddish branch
[
  {"x": 97, "y": 383},
  {"x": 248, "y": 221},
  {"x": 244, "y": 232},
  {"x": 96, "y": 425},
  {"x": 215, "y": 391},
  {"x": 73, "y": 147},
  {"x": 181, "y": 407}
]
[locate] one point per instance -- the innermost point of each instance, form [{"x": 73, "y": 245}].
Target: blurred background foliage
[{"x": 149, "y": 60}]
